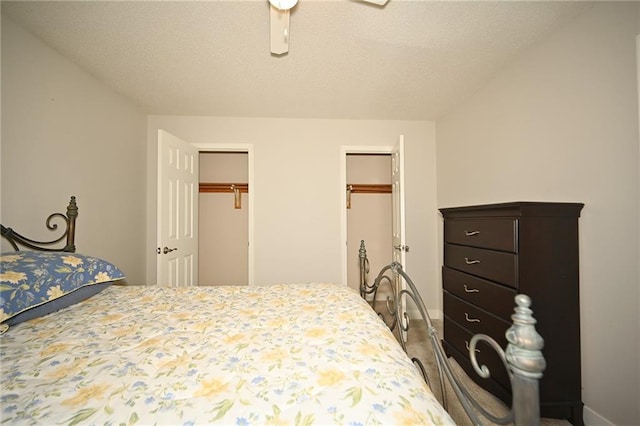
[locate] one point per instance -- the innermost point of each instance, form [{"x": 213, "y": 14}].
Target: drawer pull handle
[
  {"x": 470, "y": 290},
  {"x": 466, "y": 316},
  {"x": 471, "y": 233},
  {"x": 471, "y": 262},
  {"x": 466, "y": 345}
]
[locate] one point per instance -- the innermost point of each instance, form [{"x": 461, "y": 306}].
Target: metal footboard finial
[
  {"x": 364, "y": 268},
  {"x": 524, "y": 355}
]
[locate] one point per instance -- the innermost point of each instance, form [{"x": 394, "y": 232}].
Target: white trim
[
  {"x": 436, "y": 314},
  {"x": 344, "y": 150},
  {"x": 590, "y": 417},
  {"x": 248, "y": 148},
  {"x": 414, "y": 314}
]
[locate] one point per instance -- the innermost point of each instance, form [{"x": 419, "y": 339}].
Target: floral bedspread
[{"x": 281, "y": 354}]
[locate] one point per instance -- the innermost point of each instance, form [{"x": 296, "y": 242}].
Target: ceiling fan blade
[
  {"x": 279, "y": 23},
  {"x": 376, "y": 2}
]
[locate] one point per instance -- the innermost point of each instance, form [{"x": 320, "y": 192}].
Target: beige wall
[
  {"x": 223, "y": 230},
  {"x": 297, "y": 191},
  {"x": 561, "y": 124},
  {"x": 64, "y": 133}
]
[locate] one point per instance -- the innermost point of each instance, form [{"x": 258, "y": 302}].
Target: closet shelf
[
  {"x": 235, "y": 188},
  {"x": 366, "y": 188}
]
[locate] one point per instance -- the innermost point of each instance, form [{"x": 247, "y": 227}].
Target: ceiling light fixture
[{"x": 283, "y": 4}]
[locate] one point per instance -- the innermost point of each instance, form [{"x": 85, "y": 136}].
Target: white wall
[
  {"x": 64, "y": 133},
  {"x": 561, "y": 124},
  {"x": 297, "y": 193}
]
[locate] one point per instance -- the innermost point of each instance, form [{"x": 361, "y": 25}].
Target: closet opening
[
  {"x": 223, "y": 224},
  {"x": 369, "y": 212}
]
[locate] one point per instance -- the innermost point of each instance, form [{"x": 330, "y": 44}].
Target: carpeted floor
[{"x": 419, "y": 346}]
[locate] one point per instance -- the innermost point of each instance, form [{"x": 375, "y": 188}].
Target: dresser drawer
[
  {"x": 496, "y": 234},
  {"x": 490, "y": 264},
  {"x": 475, "y": 320},
  {"x": 491, "y": 297},
  {"x": 459, "y": 339}
]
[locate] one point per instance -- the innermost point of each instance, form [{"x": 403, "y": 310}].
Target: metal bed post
[
  {"x": 16, "y": 239},
  {"x": 364, "y": 268},
  {"x": 72, "y": 214}
]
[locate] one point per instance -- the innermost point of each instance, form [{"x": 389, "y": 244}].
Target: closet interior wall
[
  {"x": 369, "y": 217},
  {"x": 223, "y": 228}
]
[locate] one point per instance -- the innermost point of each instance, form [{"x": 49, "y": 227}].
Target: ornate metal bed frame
[
  {"x": 16, "y": 239},
  {"x": 522, "y": 358}
]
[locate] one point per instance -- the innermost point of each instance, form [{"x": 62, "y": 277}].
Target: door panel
[
  {"x": 399, "y": 248},
  {"x": 177, "y": 212},
  {"x": 397, "y": 189}
]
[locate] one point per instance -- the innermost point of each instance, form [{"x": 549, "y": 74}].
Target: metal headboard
[
  {"x": 16, "y": 239},
  {"x": 522, "y": 358}
]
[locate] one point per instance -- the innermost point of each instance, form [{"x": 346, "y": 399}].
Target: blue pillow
[{"x": 35, "y": 283}]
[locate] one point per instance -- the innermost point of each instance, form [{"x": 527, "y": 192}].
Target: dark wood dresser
[{"x": 493, "y": 252}]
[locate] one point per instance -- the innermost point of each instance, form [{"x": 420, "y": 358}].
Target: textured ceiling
[{"x": 410, "y": 60}]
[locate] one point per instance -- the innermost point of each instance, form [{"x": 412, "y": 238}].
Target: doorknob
[
  {"x": 401, "y": 248},
  {"x": 166, "y": 250}
]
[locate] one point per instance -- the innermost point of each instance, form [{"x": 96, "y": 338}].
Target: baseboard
[
  {"x": 591, "y": 418},
  {"x": 435, "y": 314},
  {"x": 413, "y": 312}
]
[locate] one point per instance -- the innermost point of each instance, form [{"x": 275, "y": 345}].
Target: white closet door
[
  {"x": 177, "y": 249},
  {"x": 398, "y": 238}
]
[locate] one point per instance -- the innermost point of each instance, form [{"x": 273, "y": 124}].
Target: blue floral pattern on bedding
[
  {"x": 290, "y": 354},
  {"x": 29, "y": 279}
]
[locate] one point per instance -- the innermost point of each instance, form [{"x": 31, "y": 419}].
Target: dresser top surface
[{"x": 515, "y": 208}]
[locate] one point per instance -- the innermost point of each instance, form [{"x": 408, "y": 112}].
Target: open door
[
  {"x": 397, "y": 190},
  {"x": 397, "y": 194},
  {"x": 178, "y": 179}
]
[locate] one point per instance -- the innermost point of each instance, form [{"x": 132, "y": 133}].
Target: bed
[{"x": 94, "y": 352}]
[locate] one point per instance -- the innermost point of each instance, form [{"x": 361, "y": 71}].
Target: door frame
[
  {"x": 344, "y": 151},
  {"x": 248, "y": 149}
]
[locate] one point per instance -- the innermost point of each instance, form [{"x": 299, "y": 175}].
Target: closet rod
[
  {"x": 223, "y": 187},
  {"x": 369, "y": 188},
  {"x": 366, "y": 188}
]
